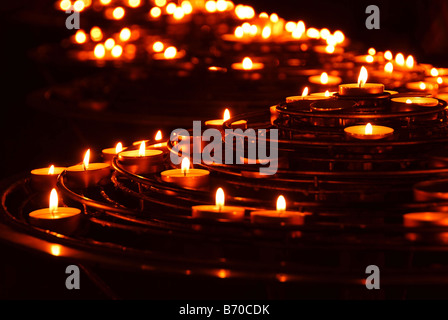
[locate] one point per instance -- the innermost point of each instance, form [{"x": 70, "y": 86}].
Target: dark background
[{"x": 29, "y": 138}]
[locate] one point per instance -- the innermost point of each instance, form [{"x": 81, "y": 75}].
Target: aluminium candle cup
[
  {"x": 426, "y": 221},
  {"x": 40, "y": 180},
  {"x": 354, "y": 90},
  {"x": 96, "y": 174},
  {"x": 274, "y": 217},
  {"x": 428, "y": 191},
  {"x": 326, "y": 107},
  {"x": 109, "y": 154},
  {"x": 152, "y": 162},
  {"x": 194, "y": 179},
  {"x": 378, "y": 132},
  {"x": 64, "y": 220},
  {"x": 224, "y": 213}
]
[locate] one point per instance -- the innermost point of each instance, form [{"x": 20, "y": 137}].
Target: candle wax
[
  {"x": 353, "y": 89},
  {"x": 194, "y": 178},
  {"x": 378, "y": 132},
  {"x": 277, "y": 217},
  {"x": 41, "y": 180},
  {"x": 218, "y": 213}
]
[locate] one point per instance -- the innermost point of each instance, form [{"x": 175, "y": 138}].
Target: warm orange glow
[
  {"x": 142, "y": 149},
  {"x": 109, "y": 43},
  {"x": 118, "y": 13},
  {"x": 409, "y": 101},
  {"x": 388, "y": 55},
  {"x": 369, "y": 129},
  {"x": 422, "y": 86},
  {"x": 266, "y": 33},
  {"x": 372, "y": 51},
  {"x": 170, "y": 7},
  {"x": 324, "y": 78},
  {"x": 222, "y": 274},
  {"x": 185, "y": 166},
  {"x": 290, "y": 26},
  {"x": 274, "y": 18},
  {"x": 410, "y": 62},
  {"x": 340, "y": 37},
  {"x": 281, "y": 204},
  {"x": 370, "y": 59},
  {"x": 80, "y": 36},
  {"x": 51, "y": 170},
  {"x": 155, "y": 12},
  {"x": 117, "y": 51},
  {"x": 178, "y": 13},
  {"x": 158, "y": 135},
  {"x": 170, "y": 53},
  {"x": 253, "y": 30},
  {"x": 158, "y": 46},
  {"x": 55, "y": 250},
  {"x": 99, "y": 51},
  {"x": 389, "y": 67},
  {"x": 221, "y": 5},
  {"x": 362, "y": 79},
  {"x": 105, "y": 2},
  {"x": 187, "y": 7},
  {"x": 330, "y": 49},
  {"x": 399, "y": 59},
  {"x": 313, "y": 33},
  {"x": 78, "y": 5},
  {"x": 220, "y": 198},
  {"x": 247, "y": 63},
  {"x": 134, "y": 3},
  {"x": 125, "y": 34},
  {"x": 210, "y": 6},
  {"x": 305, "y": 92},
  {"x": 160, "y": 3},
  {"x": 239, "y": 32},
  {"x": 439, "y": 80},
  {"x": 325, "y": 33},
  {"x": 118, "y": 148},
  {"x": 86, "y": 160},
  {"x": 327, "y": 93},
  {"x": 96, "y": 34},
  {"x": 244, "y": 12},
  {"x": 53, "y": 201},
  {"x": 65, "y": 5},
  {"x": 434, "y": 72}
]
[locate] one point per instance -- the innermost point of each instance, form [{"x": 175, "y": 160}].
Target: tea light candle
[
  {"x": 88, "y": 174},
  {"x": 304, "y": 97},
  {"x": 362, "y": 88},
  {"x": 369, "y": 132},
  {"x": 421, "y": 101},
  {"x": 323, "y": 95},
  {"x": 218, "y": 123},
  {"x": 142, "y": 161},
  {"x": 110, "y": 153},
  {"x": 162, "y": 146},
  {"x": 247, "y": 65},
  {"x": 45, "y": 178},
  {"x": 279, "y": 216},
  {"x": 325, "y": 80},
  {"x": 421, "y": 86},
  {"x": 219, "y": 211},
  {"x": 55, "y": 218},
  {"x": 186, "y": 177}
]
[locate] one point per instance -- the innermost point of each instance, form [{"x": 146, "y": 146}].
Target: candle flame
[
  {"x": 185, "y": 166},
  {"x": 53, "y": 201},
  {"x": 372, "y": 51},
  {"x": 409, "y": 101},
  {"x": 305, "y": 92},
  {"x": 158, "y": 135},
  {"x": 155, "y": 12},
  {"x": 370, "y": 59},
  {"x": 125, "y": 34},
  {"x": 170, "y": 53},
  {"x": 281, "y": 204},
  {"x": 388, "y": 55},
  {"x": 220, "y": 198},
  {"x": 369, "y": 129},
  {"x": 142, "y": 150},
  {"x": 247, "y": 63},
  {"x": 96, "y": 34},
  {"x": 327, "y": 93},
  {"x": 266, "y": 33},
  {"x": 226, "y": 115},
  {"x": 389, "y": 67},
  {"x": 439, "y": 80},
  {"x": 422, "y": 86},
  {"x": 118, "y": 13},
  {"x": 362, "y": 79},
  {"x": 158, "y": 46},
  {"x": 434, "y": 72},
  {"x": 119, "y": 147},
  {"x": 399, "y": 59},
  {"x": 410, "y": 61},
  {"x": 239, "y": 32},
  {"x": 86, "y": 160},
  {"x": 51, "y": 170},
  {"x": 324, "y": 78}
]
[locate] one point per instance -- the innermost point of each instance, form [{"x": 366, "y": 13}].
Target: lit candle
[
  {"x": 421, "y": 86},
  {"x": 425, "y": 219},
  {"x": 55, "y": 218},
  {"x": 142, "y": 161},
  {"x": 323, "y": 95},
  {"x": 362, "y": 88},
  {"x": 109, "y": 153},
  {"x": 369, "y": 132},
  {"x": 162, "y": 146},
  {"x": 45, "y": 178},
  {"x": 186, "y": 177},
  {"x": 306, "y": 97},
  {"x": 219, "y": 211},
  {"x": 279, "y": 216},
  {"x": 218, "y": 123},
  {"x": 88, "y": 174},
  {"x": 247, "y": 65},
  {"x": 325, "y": 80},
  {"x": 421, "y": 101}
]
